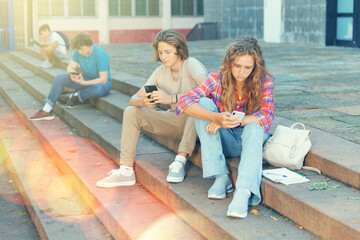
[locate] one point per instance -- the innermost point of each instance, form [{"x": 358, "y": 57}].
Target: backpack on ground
[{"x": 66, "y": 39}]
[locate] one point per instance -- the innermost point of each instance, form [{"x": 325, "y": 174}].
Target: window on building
[
  {"x": 57, "y": 8},
  {"x": 134, "y": 7},
  {"x": 187, "y": 7},
  {"x": 66, "y": 8},
  {"x": 125, "y": 8}
]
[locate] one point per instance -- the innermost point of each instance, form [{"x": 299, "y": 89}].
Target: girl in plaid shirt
[{"x": 242, "y": 84}]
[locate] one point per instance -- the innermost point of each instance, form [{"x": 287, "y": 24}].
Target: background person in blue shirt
[{"x": 93, "y": 82}]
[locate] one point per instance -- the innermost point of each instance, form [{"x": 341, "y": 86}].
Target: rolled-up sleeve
[
  {"x": 266, "y": 112},
  {"x": 204, "y": 90}
]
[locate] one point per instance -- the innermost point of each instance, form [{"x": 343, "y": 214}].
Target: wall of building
[
  {"x": 20, "y": 30},
  {"x": 236, "y": 18},
  {"x": 304, "y": 21},
  {"x": 121, "y": 29}
]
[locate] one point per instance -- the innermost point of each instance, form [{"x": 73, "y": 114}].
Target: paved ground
[
  {"x": 15, "y": 222},
  {"x": 316, "y": 85}
]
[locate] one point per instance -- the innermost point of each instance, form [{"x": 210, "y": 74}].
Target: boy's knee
[
  {"x": 101, "y": 90},
  {"x": 61, "y": 77},
  {"x": 132, "y": 111}
]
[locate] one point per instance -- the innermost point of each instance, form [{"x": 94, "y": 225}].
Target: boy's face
[
  {"x": 84, "y": 50},
  {"x": 45, "y": 33}
]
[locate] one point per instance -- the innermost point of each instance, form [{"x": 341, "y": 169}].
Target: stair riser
[
  {"x": 310, "y": 218},
  {"x": 334, "y": 170}
]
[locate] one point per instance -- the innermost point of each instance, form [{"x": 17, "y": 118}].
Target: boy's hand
[
  {"x": 160, "y": 96},
  {"x": 149, "y": 102},
  {"x": 77, "y": 79}
]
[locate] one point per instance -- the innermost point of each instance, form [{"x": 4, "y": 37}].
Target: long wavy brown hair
[{"x": 253, "y": 84}]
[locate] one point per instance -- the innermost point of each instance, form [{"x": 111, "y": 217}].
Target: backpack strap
[{"x": 314, "y": 169}]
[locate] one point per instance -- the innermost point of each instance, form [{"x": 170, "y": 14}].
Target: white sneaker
[
  {"x": 46, "y": 64},
  {"x": 176, "y": 172},
  {"x": 118, "y": 177}
]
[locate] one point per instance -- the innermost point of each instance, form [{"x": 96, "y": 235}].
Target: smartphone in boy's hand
[
  {"x": 239, "y": 115},
  {"x": 150, "y": 89}
]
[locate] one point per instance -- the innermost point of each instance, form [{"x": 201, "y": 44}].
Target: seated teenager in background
[
  {"x": 177, "y": 75},
  {"x": 242, "y": 84},
  {"x": 53, "y": 45},
  {"x": 94, "y": 80}
]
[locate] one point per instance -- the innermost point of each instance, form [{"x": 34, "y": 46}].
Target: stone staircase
[{"x": 133, "y": 212}]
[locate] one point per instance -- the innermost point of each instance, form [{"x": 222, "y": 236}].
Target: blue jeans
[
  {"x": 245, "y": 142},
  {"x": 63, "y": 80}
]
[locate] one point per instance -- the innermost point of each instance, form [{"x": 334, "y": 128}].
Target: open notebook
[{"x": 284, "y": 175}]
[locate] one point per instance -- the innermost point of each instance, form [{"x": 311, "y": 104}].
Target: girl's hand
[
  {"x": 160, "y": 96},
  {"x": 149, "y": 102},
  {"x": 225, "y": 120},
  {"x": 212, "y": 128}
]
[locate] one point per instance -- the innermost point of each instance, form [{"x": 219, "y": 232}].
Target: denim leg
[
  {"x": 213, "y": 159},
  {"x": 61, "y": 81},
  {"x": 250, "y": 167},
  {"x": 94, "y": 91}
]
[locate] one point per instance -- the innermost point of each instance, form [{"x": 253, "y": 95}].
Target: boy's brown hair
[{"x": 81, "y": 39}]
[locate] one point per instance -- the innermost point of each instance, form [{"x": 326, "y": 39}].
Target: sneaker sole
[
  {"x": 175, "y": 179},
  {"x": 237, "y": 215},
  {"x": 108, "y": 185},
  {"x": 228, "y": 190},
  {"x": 70, "y": 106},
  {"x": 39, "y": 119}
]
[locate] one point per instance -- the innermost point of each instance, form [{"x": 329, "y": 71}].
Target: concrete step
[
  {"x": 54, "y": 205},
  {"x": 325, "y": 155},
  {"x": 188, "y": 200},
  {"x": 82, "y": 163}
]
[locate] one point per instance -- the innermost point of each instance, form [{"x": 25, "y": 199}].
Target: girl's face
[
  {"x": 242, "y": 68},
  {"x": 168, "y": 54}
]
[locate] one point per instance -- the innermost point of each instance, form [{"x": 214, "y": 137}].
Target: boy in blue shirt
[{"x": 93, "y": 82}]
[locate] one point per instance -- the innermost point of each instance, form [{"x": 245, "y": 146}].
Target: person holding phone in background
[
  {"x": 241, "y": 85},
  {"x": 94, "y": 81},
  {"x": 177, "y": 75}
]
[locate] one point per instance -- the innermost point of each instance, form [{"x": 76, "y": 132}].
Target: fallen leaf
[
  {"x": 301, "y": 227},
  {"x": 274, "y": 218},
  {"x": 255, "y": 212},
  {"x": 11, "y": 181},
  {"x": 108, "y": 235},
  {"x": 72, "y": 151},
  {"x": 98, "y": 163}
]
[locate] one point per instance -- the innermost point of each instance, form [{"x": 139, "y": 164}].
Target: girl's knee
[
  {"x": 207, "y": 103},
  {"x": 253, "y": 128}
]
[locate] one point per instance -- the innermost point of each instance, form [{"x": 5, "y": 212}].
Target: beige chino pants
[{"x": 163, "y": 123}]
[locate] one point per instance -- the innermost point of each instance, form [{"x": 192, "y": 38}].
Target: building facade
[
  {"x": 107, "y": 21},
  {"x": 319, "y": 22}
]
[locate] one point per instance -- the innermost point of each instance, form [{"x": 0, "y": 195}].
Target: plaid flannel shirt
[{"x": 212, "y": 89}]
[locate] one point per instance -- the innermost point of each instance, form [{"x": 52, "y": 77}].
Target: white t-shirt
[{"x": 61, "y": 43}]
